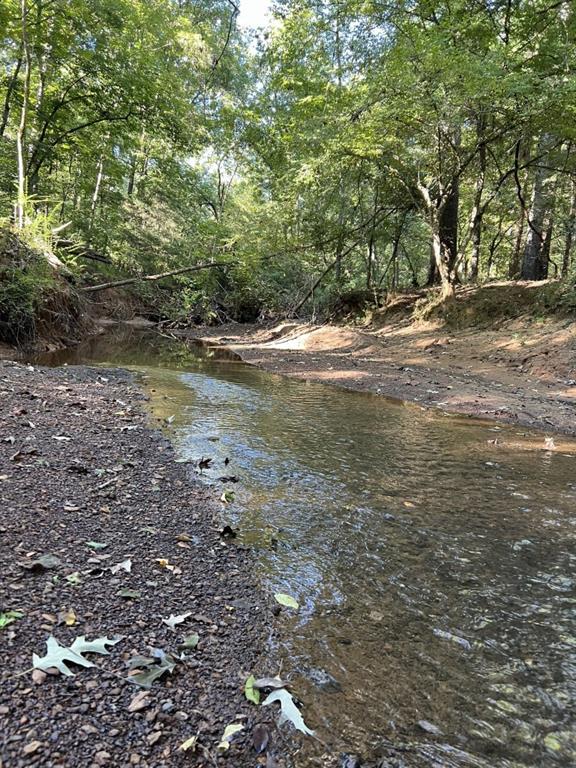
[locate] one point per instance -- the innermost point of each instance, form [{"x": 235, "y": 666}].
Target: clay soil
[
  {"x": 79, "y": 463},
  {"x": 523, "y": 371}
]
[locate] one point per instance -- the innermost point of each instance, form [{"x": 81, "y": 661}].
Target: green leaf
[
  {"x": 130, "y": 594},
  {"x": 58, "y": 655},
  {"x": 8, "y": 617},
  {"x": 229, "y": 732},
  {"x": 251, "y": 693},
  {"x": 189, "y": 744},
  {"x": 288, "y": 710},
  {"x": 286, "y": 600},
  {"x": 152, "y": 668},
  {"x": 96, "y": 545},
  {"x": 74, "y": 578},
  {"x": 190, "y": 642},
  {"x": 81, "y": 645}
]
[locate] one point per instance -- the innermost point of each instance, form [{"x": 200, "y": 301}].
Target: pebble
[{"x": 32, "y": 747}]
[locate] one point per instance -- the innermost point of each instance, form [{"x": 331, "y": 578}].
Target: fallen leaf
[
  {"x": 58, "y": 656},
  {"x": 183, "y": 537},
  {"x": 227, "y": 497},
  {"x": 96, "y": 545},
  {"x": 74, "y": 578},
  {"x": 8, "y": 617},
  {"x": 61, "y": 438},
  {"x": 67, "y": 617},
  {"x": 164, "y": 563},
  {"x": 229, "y": 732},
  {"x": 260, "y": 738},
  {"x": 153, "y": 668},
  {"x": 190, "y": 642},
  {"x": 286, "y": 600},
  {"x": 269, "y": 682},
  {"x": 189, "y": 744},
  {"x": 43, "y": 563},
  {"x": 125, "y": 565},
  {"x": 173, "y": 620},
  {"x": 288, "y": 710},
  {"x": 129, "y": 594},
  {"x": 251, "y": 693},
  {"x": 81, "y": 645}
]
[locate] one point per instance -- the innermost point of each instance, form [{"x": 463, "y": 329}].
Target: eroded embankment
[
  {"x": 522, "y": 372},
  {"x": 104, "y": 535}
]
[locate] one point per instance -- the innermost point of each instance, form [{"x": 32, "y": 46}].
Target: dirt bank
[
  {"x": 104, "y": 535},
  {"x": 522, "y": 372}
]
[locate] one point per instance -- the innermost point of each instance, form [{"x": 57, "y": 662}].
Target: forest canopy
[{"x": 353, "y": 145}]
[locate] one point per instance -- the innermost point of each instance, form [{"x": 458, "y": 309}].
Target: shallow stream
[{"x": 435, "y": 569}]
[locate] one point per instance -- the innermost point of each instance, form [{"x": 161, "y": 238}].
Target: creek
[{"x": 435, "y": 569}]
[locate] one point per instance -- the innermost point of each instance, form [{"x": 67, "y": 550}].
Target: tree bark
[
  {"x": 21, "y": 133},
  {"x": 477, "y": 212},
  {"x": 96, "y": 194},
  {"x": 150, "y": 278},
  {"x": 535, "y": 259},
  {"x": 443, "y": 221},
  {"x": 570, "y": 232},
  {"x": 9, "y": 91}
]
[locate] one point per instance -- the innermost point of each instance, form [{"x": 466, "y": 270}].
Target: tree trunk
[
  {"x": 449, "y": 231},
  {"x": 514, "y": 266},
  {"x": 570, "y": 232},
  {"x": 443, "y": 220},
  {"x": 21, "y": 133},
  {"x": 433, "y": 277},
  {"x": 96, "y": 195},
  {"x": 477, "y": 214},
  {"x": 535, "y": 259},
  {"x": 9, "y": 91}
]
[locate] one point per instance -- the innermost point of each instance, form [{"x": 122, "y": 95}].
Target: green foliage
[
  {"x": 22, "y": 290},
  {"x": 341, "y": 144}
]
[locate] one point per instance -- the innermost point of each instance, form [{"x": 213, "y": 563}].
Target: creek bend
[{"x": 435, "y": 570}]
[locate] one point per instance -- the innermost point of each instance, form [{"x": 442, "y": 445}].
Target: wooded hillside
[{"x": 351, "y": 146}]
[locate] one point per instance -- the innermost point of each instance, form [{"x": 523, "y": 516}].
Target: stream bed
[{"x": 433, "y": 556}]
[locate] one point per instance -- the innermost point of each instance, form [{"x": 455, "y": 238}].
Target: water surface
[{"x": 436, "y": 571}]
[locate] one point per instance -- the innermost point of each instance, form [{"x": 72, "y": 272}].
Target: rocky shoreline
[{"x": 104, "y": 535}]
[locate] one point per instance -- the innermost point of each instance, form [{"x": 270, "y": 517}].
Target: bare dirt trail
[{"x": 522, "y": 372}]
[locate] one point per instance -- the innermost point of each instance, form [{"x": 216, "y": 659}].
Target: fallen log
[{"x": 143, "y": 278}]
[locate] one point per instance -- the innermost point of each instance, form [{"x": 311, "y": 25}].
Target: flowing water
[{"x": 435, "y": 570}]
